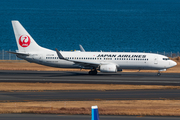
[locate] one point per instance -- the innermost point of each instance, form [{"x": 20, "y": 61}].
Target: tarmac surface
[
  {"x": 82, "y": 77},
  {"x": 90, "y": 95},
  {"x": 77, "y": 117},
  {"x": 137, "y": 78}
]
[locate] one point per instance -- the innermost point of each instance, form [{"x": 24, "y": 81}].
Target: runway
[
  {"x": 82, "y": 77},
  {"x": 78, "y": 117},
  {"x": 90, "y": 95}
]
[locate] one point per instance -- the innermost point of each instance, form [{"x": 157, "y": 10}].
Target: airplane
[{"x": 107, "y": 62}]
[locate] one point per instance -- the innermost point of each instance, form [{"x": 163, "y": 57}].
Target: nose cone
[{"x": 173, "y": 63}]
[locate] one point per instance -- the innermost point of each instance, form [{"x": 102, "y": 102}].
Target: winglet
[
  {"x": 94, "y": 113},
  {"x": 59, "y": 54},
  {"x": 81, "y": 48}
]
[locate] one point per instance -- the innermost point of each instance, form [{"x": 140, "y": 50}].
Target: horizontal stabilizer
[{"x": 18, "y": 53}]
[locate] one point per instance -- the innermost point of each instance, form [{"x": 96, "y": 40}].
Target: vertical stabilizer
[
  {"x": 24, "y": 40},
  {"x": 94, "y": 113}
]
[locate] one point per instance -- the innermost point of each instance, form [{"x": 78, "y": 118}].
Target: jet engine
[{"x": 111, "y": 68}]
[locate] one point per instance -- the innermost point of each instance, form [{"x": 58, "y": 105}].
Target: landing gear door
[{"x": 156, "y": 60}]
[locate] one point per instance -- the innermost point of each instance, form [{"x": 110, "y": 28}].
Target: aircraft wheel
[
  {"x": 158, "y": 74},
  {"x": 90, "y": 72},
  {"x": 93, "y": 72}
]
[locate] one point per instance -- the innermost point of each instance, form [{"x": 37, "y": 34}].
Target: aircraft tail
[
  {"x": 94, "y": 113},
  {"x": 24, "y": 40}
]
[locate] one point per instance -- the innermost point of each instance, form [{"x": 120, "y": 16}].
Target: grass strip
[
  {"x": 106, "y": 107},
  {"x": 12, "y": 87}
]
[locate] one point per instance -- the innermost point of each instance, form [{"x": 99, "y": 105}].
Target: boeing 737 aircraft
[{"x": 109, "y": 62}]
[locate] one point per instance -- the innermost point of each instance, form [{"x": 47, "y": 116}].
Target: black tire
[
  {"x": 90, "y": 73},
  {"x": 158, "y": 74},
  {"x": 93, "y": 72}
]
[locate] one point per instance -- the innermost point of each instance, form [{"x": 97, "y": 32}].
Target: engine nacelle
[{"x": 111, "y": 68}]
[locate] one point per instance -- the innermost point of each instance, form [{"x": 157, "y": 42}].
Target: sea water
[{"x": 107, "y": 25}]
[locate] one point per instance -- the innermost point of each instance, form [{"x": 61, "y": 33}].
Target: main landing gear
[{"x": 93, "y": 72}]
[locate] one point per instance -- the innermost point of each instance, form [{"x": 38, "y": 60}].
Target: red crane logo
[{"x": 24, "y": 41}]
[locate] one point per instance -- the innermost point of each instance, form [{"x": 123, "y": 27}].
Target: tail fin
[
  {"x": 94, "y": 113},
  {"x": 24, "y": 40}
]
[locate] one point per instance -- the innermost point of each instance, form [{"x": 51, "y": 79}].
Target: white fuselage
[{"x": 123, "y": 60}]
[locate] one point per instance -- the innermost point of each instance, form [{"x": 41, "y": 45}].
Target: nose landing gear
[{"x": 158, "y": 74}]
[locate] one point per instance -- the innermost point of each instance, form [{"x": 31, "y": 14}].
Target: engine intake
[{"x": 111, "y": 68}]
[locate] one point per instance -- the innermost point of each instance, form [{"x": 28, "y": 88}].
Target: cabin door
[{"x": 156, "y": 60}]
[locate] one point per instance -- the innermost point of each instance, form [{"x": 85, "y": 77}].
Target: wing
[{"x": 80, "y": 63}]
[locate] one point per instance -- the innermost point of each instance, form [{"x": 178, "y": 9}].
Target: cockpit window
[{"x": 166, "y": 59}]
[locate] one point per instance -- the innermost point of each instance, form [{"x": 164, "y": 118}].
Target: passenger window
[{"x": 166, "y": 59}]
